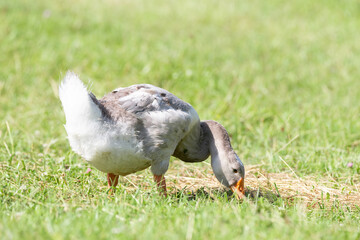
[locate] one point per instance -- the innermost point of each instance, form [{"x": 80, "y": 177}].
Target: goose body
[{"x": 136, "y": 127}]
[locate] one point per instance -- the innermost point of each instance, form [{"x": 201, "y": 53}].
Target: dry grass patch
[
  {"x": 314, "y": 192},
  {"x": 196, "y": 179}
]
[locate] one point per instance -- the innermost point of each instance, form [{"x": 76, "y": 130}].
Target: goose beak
[{"x": 239, "y": 189}]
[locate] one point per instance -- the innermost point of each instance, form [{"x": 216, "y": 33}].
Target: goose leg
[
  {"x": 161, "y": 184},
  {"x": 112, "y": 181}
]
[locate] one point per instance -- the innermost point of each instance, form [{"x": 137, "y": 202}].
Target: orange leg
[
  {"x": 161, "y": 184},
  {"x": 112, "y": 180}
]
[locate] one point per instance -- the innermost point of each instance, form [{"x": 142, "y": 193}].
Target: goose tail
[{"x": 82, "y": 112}]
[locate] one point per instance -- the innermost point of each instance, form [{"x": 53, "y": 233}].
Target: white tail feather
[
  {"x": 79, "y": 108},
  {"x": 82, "y": 114}
]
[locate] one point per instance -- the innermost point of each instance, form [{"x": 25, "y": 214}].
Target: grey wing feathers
[
  {"x": 162, "y": 119},
  {"x": 142, "y": 98},
  {"x": 151, "y": 107}
]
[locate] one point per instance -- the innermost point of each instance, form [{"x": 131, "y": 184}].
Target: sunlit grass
[{"x": 281, "y": 76}]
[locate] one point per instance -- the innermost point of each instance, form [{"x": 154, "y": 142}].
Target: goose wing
[{"x": 162, "y": 118}]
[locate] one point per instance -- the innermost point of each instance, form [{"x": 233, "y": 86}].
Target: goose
[{"x": 141, "y": 126}]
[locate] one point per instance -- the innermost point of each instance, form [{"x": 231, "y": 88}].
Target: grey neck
[
  {"x": 219, "y": 142},
  {"x": 212, "y": 139}
]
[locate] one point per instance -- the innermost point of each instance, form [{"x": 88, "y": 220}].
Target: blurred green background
[{"x": 282, "y": 76}]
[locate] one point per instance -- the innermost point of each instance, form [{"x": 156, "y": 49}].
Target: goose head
[
  {"x": 226, "y": 164},
  {"x": 230, "y": 171}
]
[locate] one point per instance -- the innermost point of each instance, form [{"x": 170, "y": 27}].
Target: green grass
[{"x": 281, "y": 76}]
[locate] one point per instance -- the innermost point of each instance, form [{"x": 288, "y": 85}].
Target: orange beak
[{"x": 239, "y": 189}]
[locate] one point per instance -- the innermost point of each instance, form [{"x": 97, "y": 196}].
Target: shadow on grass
[{"x": 211, "y": 194}]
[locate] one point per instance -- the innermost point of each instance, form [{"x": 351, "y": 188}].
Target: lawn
[{"x": 283, "y": 77}]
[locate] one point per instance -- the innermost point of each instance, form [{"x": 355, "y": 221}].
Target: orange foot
[{"x": 161, "y": 184}]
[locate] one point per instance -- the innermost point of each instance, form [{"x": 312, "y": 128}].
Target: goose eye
[{"x": 235, "y": 171}]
